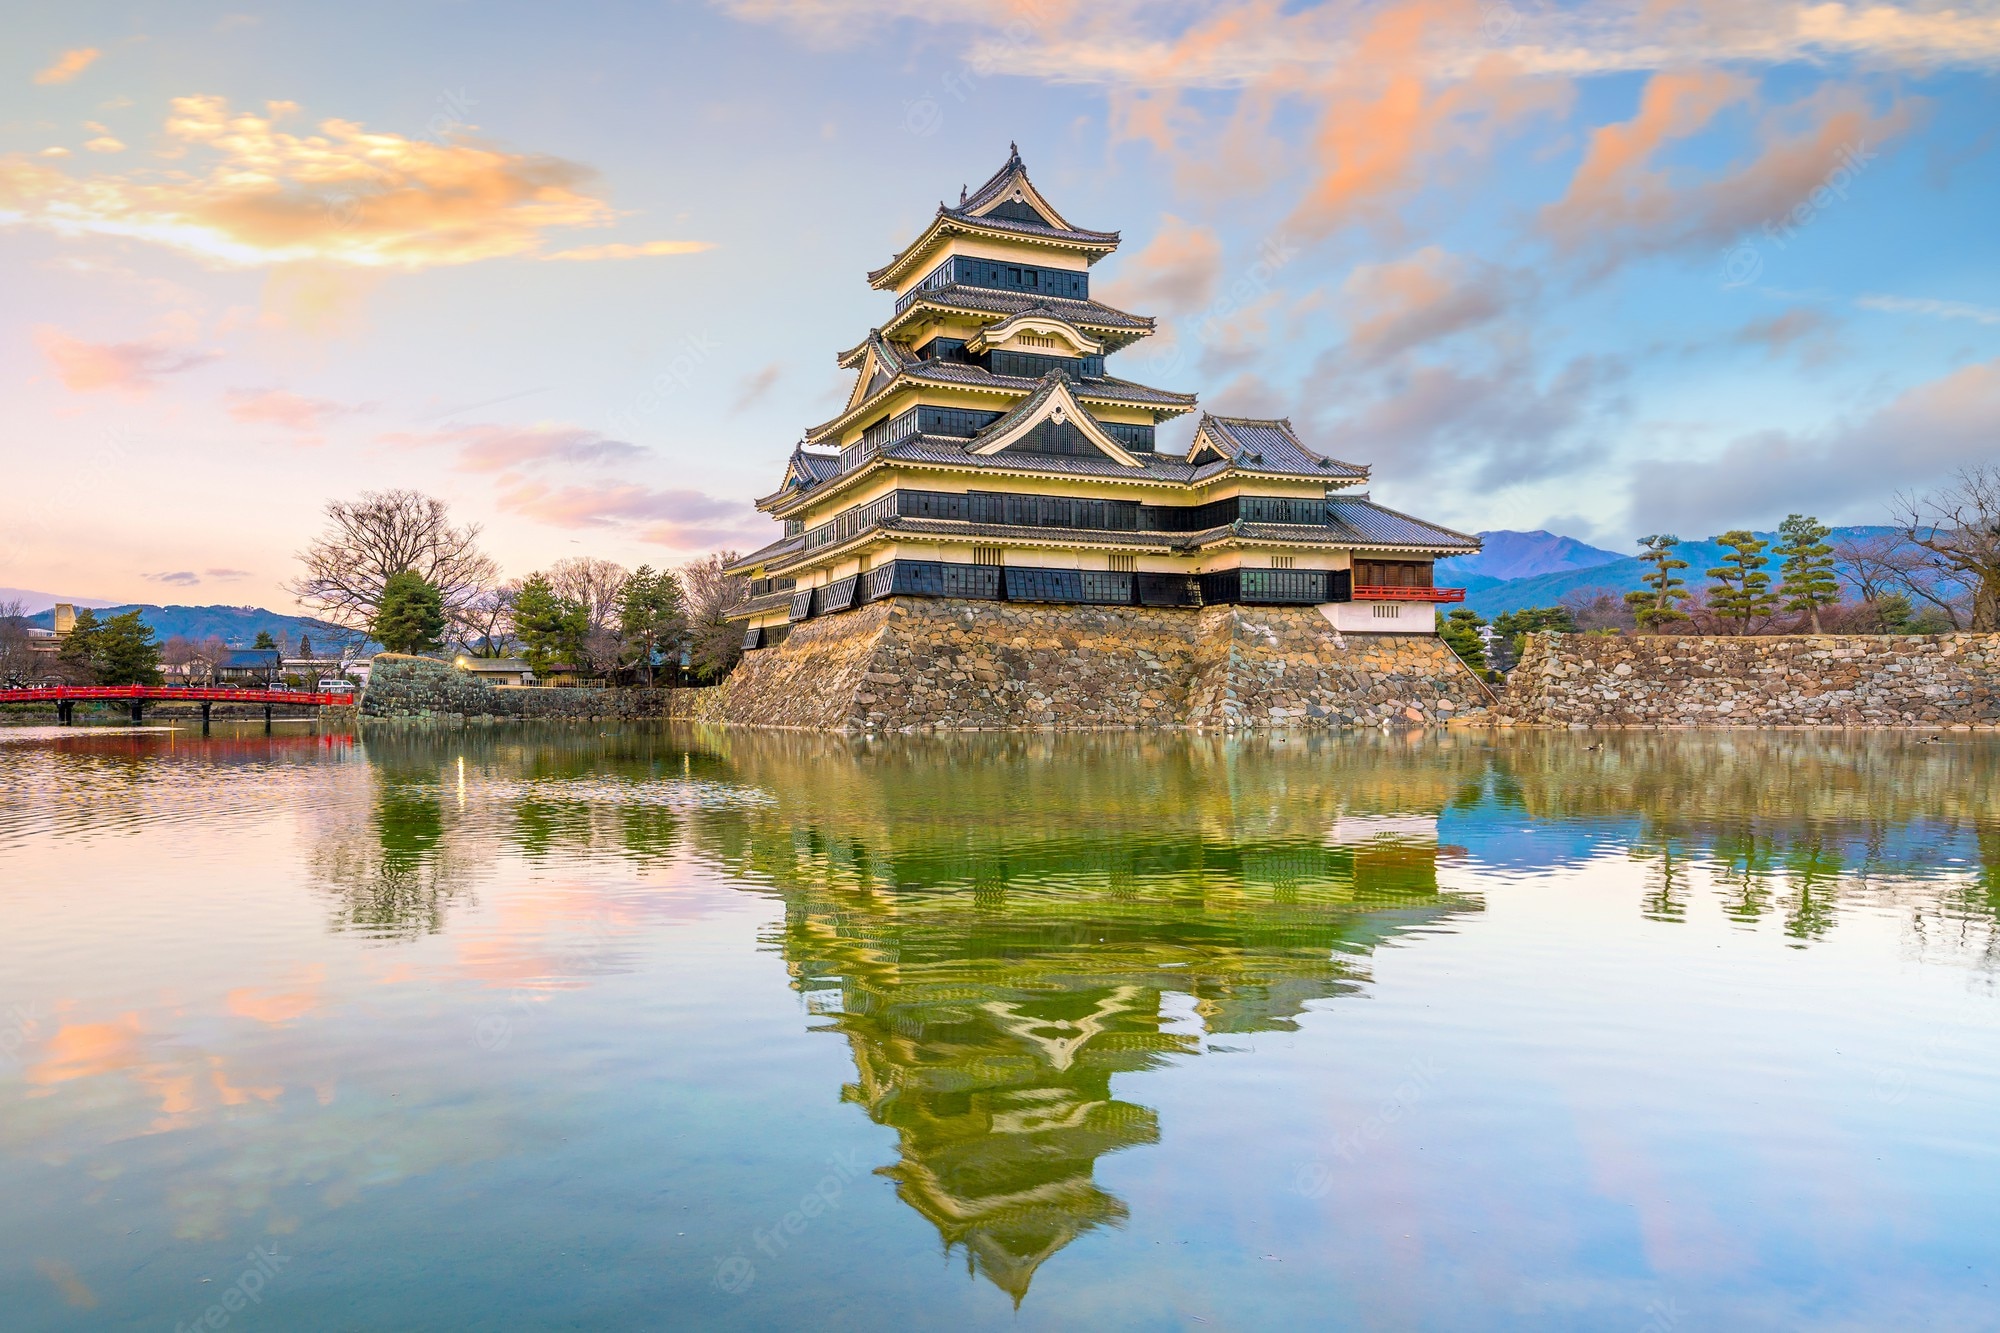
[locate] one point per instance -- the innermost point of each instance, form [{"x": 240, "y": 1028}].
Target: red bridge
[{"x": 66, "y": 697}]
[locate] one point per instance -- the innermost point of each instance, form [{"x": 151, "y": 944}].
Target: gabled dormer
[
  {"x": 1268, "y": 445},
  {"x": 877, "y": 361},
  {"x": 1050, "y": 421}
]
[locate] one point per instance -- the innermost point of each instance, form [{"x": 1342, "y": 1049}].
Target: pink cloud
[
  {"x": 134, "y": 367},
  {"x": 620, "y": 502},
  {"x": 304, "y": 417},
  {"x": 493, "y": 448}
]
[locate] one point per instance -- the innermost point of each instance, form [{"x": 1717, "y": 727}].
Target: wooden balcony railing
[{"x": 1375, "y": 593}]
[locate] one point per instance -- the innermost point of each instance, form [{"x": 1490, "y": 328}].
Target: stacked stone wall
[
  {"x": 951, "y": 664},
  {"x": 421, "y": 689},
  {"x": 814, "y": 679},
  {"x": 1934, "y": 681}
]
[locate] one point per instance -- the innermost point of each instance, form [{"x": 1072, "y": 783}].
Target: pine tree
[
  {"x": 80, "y": 651},
  {"x": 1460, "y": 631},
  {"x": 305, "y": 645},
  {"x": 1742, "y": 590},
  {"x": 1809, "y": 581},
  {"x": 264, "y": 640},
  {"x": 410, "y": 618},
  {"x": 127, "y": 652},
  {"x": 552, "y": 627},
  {"x": 1659, "y": 603},
  {"x": 650, "y": 617},
  {"x": 1518, "y": 625}
]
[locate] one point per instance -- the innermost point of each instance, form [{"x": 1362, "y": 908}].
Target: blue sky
[{"x": 583, "y": 272}]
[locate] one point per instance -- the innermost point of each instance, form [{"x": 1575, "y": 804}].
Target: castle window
[
  {"x": 1392, "y": 573},
  {"x": 985, "y": 555},
  {"x": 1124, "y": 564},
  {"x": 1283, "y": 561},
  {"x": 1387, "y": 611}
]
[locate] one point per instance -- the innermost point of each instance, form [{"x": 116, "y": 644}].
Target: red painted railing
[
  {"x": 55, "y": 694},
  {"x": 1377, "y": 593}
]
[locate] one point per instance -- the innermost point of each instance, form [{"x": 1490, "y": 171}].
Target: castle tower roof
[{"x": 1007, "y": 206}]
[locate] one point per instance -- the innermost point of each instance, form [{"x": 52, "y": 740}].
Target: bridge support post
[
  {"x": 267, "y": 719},
  {"x": 205, "y": 706},
  {"x": 66, "y": 712},
  {"x": 138, "y": 711}
]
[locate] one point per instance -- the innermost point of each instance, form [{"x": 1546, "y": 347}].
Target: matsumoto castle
[{"x": 987, "y": 451}]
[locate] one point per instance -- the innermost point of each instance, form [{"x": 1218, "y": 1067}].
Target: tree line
[
  {"x": 1937, "y": 571},
  {"x": 395, "y": 565}
]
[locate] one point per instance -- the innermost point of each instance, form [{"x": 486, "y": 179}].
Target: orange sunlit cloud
[
  {"x": 1620, "y": 204},
  {"x": 86, "y": 1050},
  {"x": 277, "y": 1007},
  {"x": 69, "y": 65},
  {"x": 254, "y": 194}
]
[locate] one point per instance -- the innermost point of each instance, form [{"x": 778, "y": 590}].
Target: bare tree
[
  {"x": 592, "y": 584},
  {"x": 1960, "y": 527},
  {"x": 714, "y": 644},
  {"x": 1869, "y": 565},
  {"x": 17, "y": 654},
  {"x": 382, "y": 534},
  {"x": 486, "y": 623},
  {"x": 1598, "y": 609}
]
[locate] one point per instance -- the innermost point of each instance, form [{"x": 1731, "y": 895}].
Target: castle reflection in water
[{"x": 999, "y": 926}]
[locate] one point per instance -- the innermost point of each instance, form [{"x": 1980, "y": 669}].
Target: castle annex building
[{"x": 988, "y": 451}]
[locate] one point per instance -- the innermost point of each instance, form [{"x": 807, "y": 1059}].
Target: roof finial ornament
[
  {"x": 1013, "y": 149},
  {"x": 961, "y": 196}
]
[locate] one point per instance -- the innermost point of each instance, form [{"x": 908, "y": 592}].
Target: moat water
[{"x": 643, "y": 1028}]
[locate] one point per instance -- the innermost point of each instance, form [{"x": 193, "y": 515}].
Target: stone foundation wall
[
  {"x": 949, "y": 664},
  {"x": 420, "y": 689},
  {"x": 1933, "y": 681}
]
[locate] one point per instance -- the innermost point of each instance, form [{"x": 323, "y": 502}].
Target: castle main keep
[{"x": 988, "y": 456}]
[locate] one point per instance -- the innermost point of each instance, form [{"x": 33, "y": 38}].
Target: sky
[{"x": 583, "y": 270}]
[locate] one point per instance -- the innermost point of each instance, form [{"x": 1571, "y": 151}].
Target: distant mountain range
[
  {"x": 1617, "y": 574},
  {"x": 1520, "y": 555},
  {"x": 237, "y": 626}
]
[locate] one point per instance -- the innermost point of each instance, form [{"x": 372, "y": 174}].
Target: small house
[
  {"x": 496, "y": 670},
  {"x": 250, "y": 668}
]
